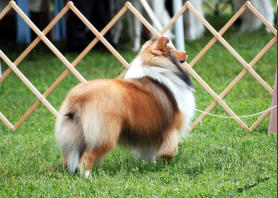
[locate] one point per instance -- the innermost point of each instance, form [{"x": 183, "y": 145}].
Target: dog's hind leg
[
  {"x": 70, "y": 139},
  {"x": 101, "y": 134},
  {"x": 169, "y": 146},
  {"x": 90, "y": 156}
]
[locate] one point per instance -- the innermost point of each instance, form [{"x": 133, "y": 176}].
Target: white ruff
[{"x": 181, "y": 91}]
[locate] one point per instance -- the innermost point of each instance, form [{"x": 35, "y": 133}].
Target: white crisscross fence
[{"x": 218, "y": 99}]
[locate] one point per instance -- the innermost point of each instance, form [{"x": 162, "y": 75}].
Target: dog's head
[{"x": 157, "y": 52}]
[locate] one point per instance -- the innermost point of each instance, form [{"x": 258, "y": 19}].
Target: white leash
[{"x": 229, "y": 117}]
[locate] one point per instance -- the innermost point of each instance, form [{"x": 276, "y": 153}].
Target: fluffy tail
[{"x": 70, "y": 138}]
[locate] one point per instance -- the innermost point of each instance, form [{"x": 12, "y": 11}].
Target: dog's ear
[{"x": 162, "y": 44}]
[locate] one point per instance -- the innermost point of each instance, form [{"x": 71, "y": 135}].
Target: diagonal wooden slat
[
  {"x": 74, "y": 63},
  {"x": 203, "y": 115},
  {"x": 143, "y": 20},
  {"x": 98, "y": 34},
  {"x": 6, "y": 122},
  {"x": 260, "y": 119},
  {"x": 199, "y": 79},
  {"x": 81, "y": 56},
  {"x": 47, "y": 42},
  {"x": 215, "y": 96},
  {"x": 100, "y": 37},
  {"x": 35, "y": 42},
  {"x": 260, "y": 17},
  {"x": 196, "y": 76},
  {"x": 208, "y": 46},
  {"x": 229, "y": 48},
  {"x": 28, "y": 83},
  {"x": 173, "y": 19},
  {"x": 5, "y": 11},
  {"x": 221, "y": 32},
  {"x": 233, "y": 83},
  {"x": 225, "y": 106}
]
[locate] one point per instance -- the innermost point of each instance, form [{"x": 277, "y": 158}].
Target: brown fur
[
  {"x": 159, "y": 53},
  {"x": 137, "y": 113},
  {"x": 132, "y": 103},
  {"x": 89, "y": 157}
]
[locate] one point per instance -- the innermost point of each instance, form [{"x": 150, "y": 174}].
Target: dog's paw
[
  {"x": 84, "y": 173},
  {"x": 87, "y": 174}
]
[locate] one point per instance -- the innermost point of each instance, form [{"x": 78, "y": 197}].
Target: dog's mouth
[
  {"x": 185, "y": 58},
  {"x": 181, "y": 56},
  {"x": 183, "y": 61}
]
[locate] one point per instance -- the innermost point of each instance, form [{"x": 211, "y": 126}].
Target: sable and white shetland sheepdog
[{"x": 147, "y": 111}]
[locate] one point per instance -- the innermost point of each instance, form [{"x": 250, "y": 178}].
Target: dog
[
  {"x": 194, "y": 28},
  {"x": 148, "y": 111}
]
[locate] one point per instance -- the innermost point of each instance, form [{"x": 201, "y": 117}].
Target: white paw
[{"x": 87, "y": 173}]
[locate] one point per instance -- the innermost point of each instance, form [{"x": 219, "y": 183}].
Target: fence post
[{"x": 272, "y": 128}]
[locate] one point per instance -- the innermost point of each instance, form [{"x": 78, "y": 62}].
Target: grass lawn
[{"x": 219, "y": 159}]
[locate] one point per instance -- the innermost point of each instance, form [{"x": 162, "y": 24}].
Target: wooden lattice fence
[{"x": 100, "y": 37}]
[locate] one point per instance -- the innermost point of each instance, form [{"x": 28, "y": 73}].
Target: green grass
[{"x": 219, "y": 159}]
